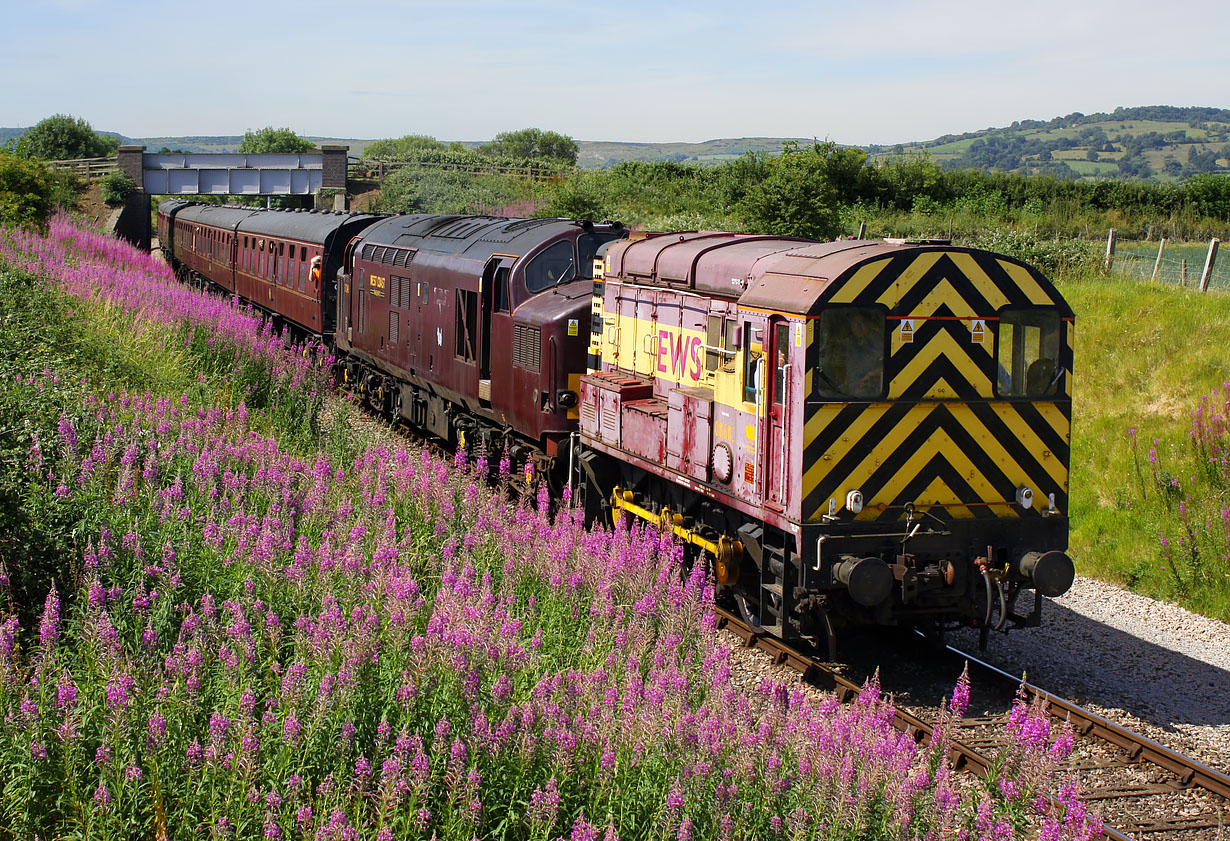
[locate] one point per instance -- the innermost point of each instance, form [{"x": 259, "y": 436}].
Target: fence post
[
  {"x": 862, "y": 230},
  {"x": 1184, "y": 280},
  {"x": 1110, "y": 250},
  {"x": 1207, "y": 274},
  {"x": 1161, "y": 246}
]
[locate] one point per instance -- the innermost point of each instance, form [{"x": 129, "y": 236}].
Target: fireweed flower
[{"x": 413, "y": 586}]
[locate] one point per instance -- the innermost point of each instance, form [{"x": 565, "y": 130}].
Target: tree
[
  {"x": 797, "y": 199},
  {"x": 403, "y": 148},
  {"x": 62, "y": 137},
  {"x": 270, "y": 140},
  {"x": 532, "y": 143},
  {"x": 26, "y": 193}
]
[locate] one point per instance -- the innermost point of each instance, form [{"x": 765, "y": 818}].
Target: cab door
[
  {"x": 779, "y": 373},
  {"x": 492, "y": 300}
]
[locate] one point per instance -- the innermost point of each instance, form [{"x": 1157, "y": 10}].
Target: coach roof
[{"x": 299, "y": 225}]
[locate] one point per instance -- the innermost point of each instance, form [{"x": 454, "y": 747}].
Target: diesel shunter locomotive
[
  {"x": 851, "y": 432},
  {"x": 855, "y": 432}
]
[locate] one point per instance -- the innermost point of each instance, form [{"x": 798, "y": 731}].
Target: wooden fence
[{"x": 91, "y": 169}]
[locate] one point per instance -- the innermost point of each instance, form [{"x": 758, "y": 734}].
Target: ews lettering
[{"x": 679, "y": 356}]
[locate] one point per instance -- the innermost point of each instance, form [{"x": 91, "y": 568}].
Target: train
[{"x": 849, "y": 433}]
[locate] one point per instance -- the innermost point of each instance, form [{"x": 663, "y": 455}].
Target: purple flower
[
  {"x": 157, "y": 731},
  {"x": 119, "y": 691},
  {"x": 66, "y": 692},
  {"x": 49, "y": 625}
]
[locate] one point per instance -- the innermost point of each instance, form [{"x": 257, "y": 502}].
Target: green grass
[{"x": 1145, "y": 356}]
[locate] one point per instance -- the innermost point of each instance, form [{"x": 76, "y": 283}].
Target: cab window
[
  {"x": 1028, "y": 353},
  {"x": 852, "y": 343},
  {"x": 551, "y": 267},
  {"x": 587, "y": 248},
  {"x": 753, "y": 370}
]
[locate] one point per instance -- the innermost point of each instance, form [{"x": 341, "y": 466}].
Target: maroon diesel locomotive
[{"x": 473, "y": 328}]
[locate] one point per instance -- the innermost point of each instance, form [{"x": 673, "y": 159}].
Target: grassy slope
[{"x": 1145, "y": 355}]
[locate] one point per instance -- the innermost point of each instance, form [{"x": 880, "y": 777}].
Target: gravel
[{"x": 1148, "y": 665}]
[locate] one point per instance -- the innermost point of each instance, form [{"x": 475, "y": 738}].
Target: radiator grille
[
  {"x": 393, "y": 325},
  {"x": 609, "y": 430},
  {"x": 527, "y": 347}
]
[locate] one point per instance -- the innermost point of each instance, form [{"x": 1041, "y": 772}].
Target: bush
[
  {"x": 415, "y": 190},
  {"x": 27, "y": 193},
  {"x": 116, "y": 188},
  {"x": 1053, "y": 257},
  {"x": 797, "y": 199}
]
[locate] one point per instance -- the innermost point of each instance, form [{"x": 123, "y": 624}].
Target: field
[
  {"x": 1150, "y": 502},
  {"x": 225, "y": 608}
]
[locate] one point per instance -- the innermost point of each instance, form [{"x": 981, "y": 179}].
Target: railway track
[{"x": 1142, "y": 789}]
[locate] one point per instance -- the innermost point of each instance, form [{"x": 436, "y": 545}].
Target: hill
[{"x": 1158, "y": 143}]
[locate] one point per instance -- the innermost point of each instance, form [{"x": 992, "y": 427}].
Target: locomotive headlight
[
  {"x": 566, "y": 399},
  {"x": 1025, "y": 496},
  {"x": 854, "y": 502}
]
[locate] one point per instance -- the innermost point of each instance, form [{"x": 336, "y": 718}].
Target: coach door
[{"x": 778, "y": 371}]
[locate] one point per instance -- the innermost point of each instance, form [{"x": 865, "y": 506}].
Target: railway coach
[
  {"x": 856, "y": 432},
  {"x": 266, "y": 257}
]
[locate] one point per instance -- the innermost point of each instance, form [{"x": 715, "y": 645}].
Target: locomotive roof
[
  {"x": 474, "y": 236},
  {"x": 777, "y": 273}
]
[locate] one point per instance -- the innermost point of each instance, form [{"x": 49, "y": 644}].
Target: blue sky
[{"x": 852, "y": 72}]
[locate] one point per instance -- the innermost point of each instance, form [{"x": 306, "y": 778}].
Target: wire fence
[
  {"x": 1180, "y": 264},
  {"x": 362, "y": 169}
]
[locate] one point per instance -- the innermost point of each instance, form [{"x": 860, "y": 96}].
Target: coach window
[
  {"x": 1028, "y": 353},
  {"x": 551, "y": 267},
  {"x": 852, "y": 343}
]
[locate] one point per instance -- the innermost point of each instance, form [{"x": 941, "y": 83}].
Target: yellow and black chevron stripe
[{"x": 941, "y": 439}]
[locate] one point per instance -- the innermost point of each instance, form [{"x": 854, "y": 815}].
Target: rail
[
  {"x": 1137, "y": 749},
  {"x": 92, "y": 169}
]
